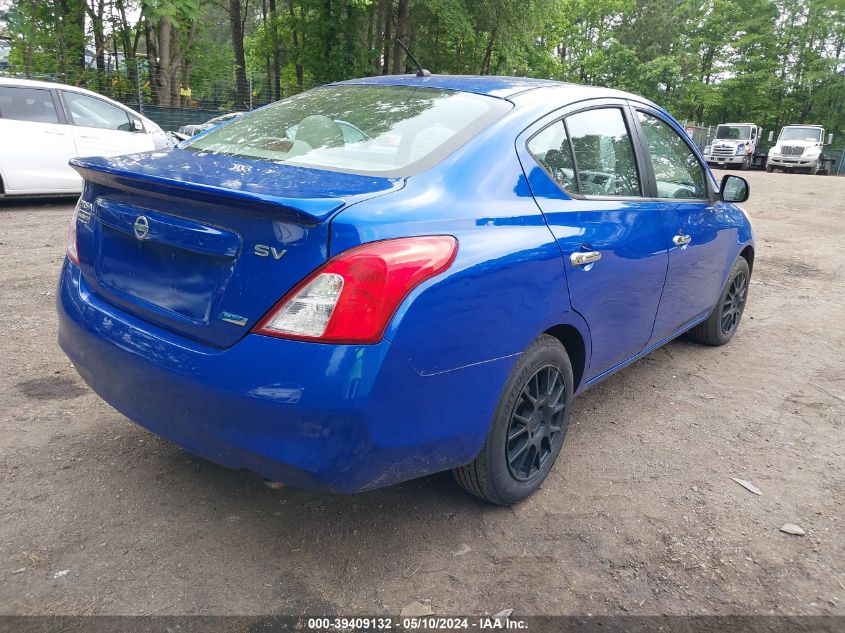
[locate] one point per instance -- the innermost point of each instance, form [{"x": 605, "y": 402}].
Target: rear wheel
[
  {"x": 723, "y": 322},
  {"x": 528, "y": 427}
]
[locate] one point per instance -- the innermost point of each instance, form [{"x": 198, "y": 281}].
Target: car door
[
  {"x": 583, "y": 168},
  {"x": 698, "y": 238},
  {"x": 36, "y": 144},
  {"x": 102, "y": 128}
]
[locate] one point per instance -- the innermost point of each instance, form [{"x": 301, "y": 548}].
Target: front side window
[
  {"x": 87, "y": 111},
  {"x": 676, "y": 169},
  {"x": 380, "y": 130},
  {"x": 27, "y": 104},
  {"x": 551, "y": 149},
  {"x": 604, "y": 153}
]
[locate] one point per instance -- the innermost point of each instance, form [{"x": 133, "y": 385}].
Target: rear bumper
[{"x": 338, "y": 417}]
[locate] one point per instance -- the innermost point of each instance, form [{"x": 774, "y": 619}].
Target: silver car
[{"x": 195, "y": 128}]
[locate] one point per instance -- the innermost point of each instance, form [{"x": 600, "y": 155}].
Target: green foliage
[
  {"x": 772, "y": 62},
  {"x": 181, "y": 12}
]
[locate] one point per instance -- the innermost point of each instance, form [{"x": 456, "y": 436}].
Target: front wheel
[
  {"x": 769, "y": 169},
  {"x": 723, "y": 322},
  {"x": 528, "y": 427}
]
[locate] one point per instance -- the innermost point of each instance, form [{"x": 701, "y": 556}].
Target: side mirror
[
  {"x": 771, "y": 135},
  {"x": 137, "y": 125},
  {"x": 830, "y": 139},
  {"x": 734, "y": 189}
]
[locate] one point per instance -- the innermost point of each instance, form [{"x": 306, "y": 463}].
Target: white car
[{"x": 43, "y": 125}]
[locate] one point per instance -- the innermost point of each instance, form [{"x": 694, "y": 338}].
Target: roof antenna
[{"x": 422, "y": 72}]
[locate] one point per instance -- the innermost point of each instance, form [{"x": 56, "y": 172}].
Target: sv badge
[{"x": 262, "y": 250}]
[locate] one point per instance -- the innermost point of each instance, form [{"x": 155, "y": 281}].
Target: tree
[
  {"x": 170, "y": 29},
  {"x": 237, "y": 16},
  {"x": 768, "y": 61}
]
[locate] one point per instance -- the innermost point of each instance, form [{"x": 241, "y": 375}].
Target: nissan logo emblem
[{"x": 141, "y": 227}]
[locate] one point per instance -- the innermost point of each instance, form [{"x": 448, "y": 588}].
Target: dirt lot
[{"x": 640, "y": 516}]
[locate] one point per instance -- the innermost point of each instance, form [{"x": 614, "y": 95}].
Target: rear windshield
[{"x": 381, "y": 130}]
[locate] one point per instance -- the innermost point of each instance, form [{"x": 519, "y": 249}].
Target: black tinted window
[
  {"x": 27, "y": 104},
  {"x": 604, "y": 153}
]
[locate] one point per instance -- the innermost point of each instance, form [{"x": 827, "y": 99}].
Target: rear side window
[
  {"x": 88, "y": 111},
  {"x": 604, "y": 153},
  {"x": 27, "y": 104},
  {"x": 551, "y": 149},
  {"x": 676, "y": 169},
  {"x": 379, "y": 130}
]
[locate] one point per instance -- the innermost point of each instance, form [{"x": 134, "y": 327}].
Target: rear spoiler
[{"x": 308, "y": 211}]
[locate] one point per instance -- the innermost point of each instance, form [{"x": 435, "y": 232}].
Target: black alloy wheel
[
  {"x": 536, "y": 424},
  {"x": 723, "y": 321},
  {"x": 734, "y": 302},
  {"x": 528, "y": 426}
]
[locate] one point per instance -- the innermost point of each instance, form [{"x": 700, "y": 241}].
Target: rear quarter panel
[{"x": 507, "y": 283}]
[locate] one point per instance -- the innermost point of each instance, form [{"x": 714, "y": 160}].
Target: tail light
[
  {"x": 352, "y": 297},
  {"x": 72, "y": 250}
]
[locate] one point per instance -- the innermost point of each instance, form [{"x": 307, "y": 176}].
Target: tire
[
  {"x": 501, "y": 473},
  {"x": 723, "y": 322},
  {"x": 813, "y": 170},
  {"x": 769, "y": 169},
  {"x": 746, "y": 164}
]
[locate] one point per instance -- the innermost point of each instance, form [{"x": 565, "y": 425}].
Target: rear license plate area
[{"x": 173, "y": 279}]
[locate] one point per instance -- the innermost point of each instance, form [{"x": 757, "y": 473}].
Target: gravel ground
[{"x": 640, "y": 515}]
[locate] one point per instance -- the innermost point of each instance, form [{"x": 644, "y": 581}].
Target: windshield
[
  {"x": 383, "y": 130},
  {"x": 733, "y": 132},
  {"x": 812, "y": 134}
]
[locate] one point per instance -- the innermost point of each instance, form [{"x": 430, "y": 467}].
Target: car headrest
[{"x": 319, "y": 131}]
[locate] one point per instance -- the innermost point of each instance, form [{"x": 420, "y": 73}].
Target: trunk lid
[{"x": 205, "y": 245}]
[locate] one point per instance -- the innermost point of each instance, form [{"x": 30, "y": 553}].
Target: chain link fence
[
  {"x": 182, "y": 97},
  {"x": 171, "y": 99}
]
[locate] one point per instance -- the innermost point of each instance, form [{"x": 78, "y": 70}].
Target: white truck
[
  {"x": 733, "y": 145},
  {"x": 799, "y": 147}
]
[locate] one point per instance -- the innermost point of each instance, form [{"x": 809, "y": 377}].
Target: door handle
[
  {"x": 682, "y": 240},
  {"x": 582, "y": 259}
]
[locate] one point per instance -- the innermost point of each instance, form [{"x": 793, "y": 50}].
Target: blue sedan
[{"x": 347, "y": 311}]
